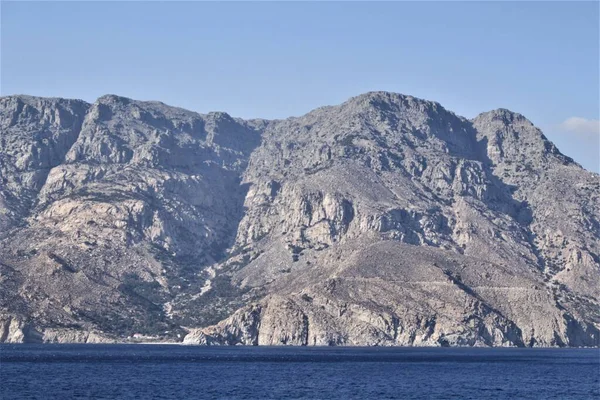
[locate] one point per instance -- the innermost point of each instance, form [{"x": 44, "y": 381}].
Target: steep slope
[
  {"x": 356, "y": 182},
  {"x": 36, "y": 135},
  {"x": 137, "y": 200},
  {"x": 563, "y": 199},
  {"x": 386, "y": 220}
]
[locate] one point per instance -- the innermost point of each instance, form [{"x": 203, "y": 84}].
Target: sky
[{"x": 280, "y": 59}]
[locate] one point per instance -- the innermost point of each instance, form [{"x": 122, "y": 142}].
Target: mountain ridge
[
  {"x": 368, "y": 94},
  {"x": 125, "y": 216}
]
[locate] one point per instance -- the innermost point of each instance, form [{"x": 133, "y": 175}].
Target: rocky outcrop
[
  {"x": 15, "y": 330},
  {"x": 377, "y": 298},
  {"x": 386, "y": 220},
  {"x": 306, "y": 320}
]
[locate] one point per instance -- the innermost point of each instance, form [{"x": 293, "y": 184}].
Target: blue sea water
[{"x": 181, "y": 372}]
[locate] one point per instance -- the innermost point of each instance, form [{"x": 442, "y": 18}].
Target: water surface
[{"x": 182, "y": 372}]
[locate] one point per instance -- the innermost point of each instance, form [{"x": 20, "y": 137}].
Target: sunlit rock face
[{"x": 386, "y": 220}]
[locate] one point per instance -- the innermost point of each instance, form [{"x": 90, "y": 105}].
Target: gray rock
[{"x": 386, "y": 220}]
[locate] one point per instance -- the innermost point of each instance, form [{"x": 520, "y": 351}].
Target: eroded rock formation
[{"x": 386, "y": 220}]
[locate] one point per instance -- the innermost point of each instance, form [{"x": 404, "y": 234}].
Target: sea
[{"x": 49, "y": 371}]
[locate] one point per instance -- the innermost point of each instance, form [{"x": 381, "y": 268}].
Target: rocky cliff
[{"x": 386, "y": 220}]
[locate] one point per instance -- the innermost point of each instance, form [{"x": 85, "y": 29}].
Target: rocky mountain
[{"x": 386, "y": 220}]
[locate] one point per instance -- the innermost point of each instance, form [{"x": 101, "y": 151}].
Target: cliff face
[{"x": 386, "y": 220}]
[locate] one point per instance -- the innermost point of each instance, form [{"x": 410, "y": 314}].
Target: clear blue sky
[{"x": 274, "y": 60}]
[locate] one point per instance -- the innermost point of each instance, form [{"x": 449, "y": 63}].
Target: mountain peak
[
  {"x": 504, "y": 115},
  {"x": 28, "y": 99},
  {"x": 382, "y": 97},
  {"x": 113, "y": 99},
  {"x": 512, "y": 138}
]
